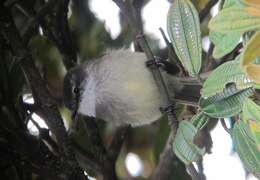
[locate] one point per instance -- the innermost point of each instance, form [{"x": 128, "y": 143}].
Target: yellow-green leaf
[
  {"x": 184, "y": 30},
  {"x": 251, "y": 51},
  {"x": 253, "y": 72},
  {"x": 229, "y": 3},
  {"x": 200, "y": 4},
  {"x": 251, "y": 115},
  {"x": 250, "y": 54},
  {"x": 246, "y": 148},
  {"x": 235, "y": 20}
]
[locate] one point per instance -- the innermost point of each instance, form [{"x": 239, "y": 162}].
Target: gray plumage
[{"x": 118, "y": 88}]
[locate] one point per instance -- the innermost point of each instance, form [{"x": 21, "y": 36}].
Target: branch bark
[
  {"x": 206, "y": 10},
  {"x": 56, "y": 28},
  {"x": 34, "y": 21},
  {"x": 46, "y": 105},
  {"x": 130, "y": 14},
  {"x": 167, "y": 166}
]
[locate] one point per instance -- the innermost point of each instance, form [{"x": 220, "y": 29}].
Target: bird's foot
[
  {"x": 165, "y": 65},
  {"x": 154, "y": 63},
  {"x": 168, "y": 109}
]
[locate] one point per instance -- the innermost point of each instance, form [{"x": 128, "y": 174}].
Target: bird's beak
[
  {"x": 74, "y": 118},
  {"x": 74, "y": 114},
  {"x": 75, "y": 108}
]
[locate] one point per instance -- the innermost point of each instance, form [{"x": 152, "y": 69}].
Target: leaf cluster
[{"x": 230, "y": 90}]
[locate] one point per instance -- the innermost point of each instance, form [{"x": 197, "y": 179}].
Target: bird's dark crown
[{"x": 71, "y": 84}]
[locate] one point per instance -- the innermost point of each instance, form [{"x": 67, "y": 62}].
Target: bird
[{"x": 117, "y": 87}]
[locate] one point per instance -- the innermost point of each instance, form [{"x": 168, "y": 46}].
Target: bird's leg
[
  {"x": 169, "y": 67},
  {"x": 152, "y": 63},
  {"x": 165, "y": 65},
  {"x": 168, "y": 109}
]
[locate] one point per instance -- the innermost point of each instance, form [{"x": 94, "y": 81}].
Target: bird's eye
[{"x": 76, "y": 90}]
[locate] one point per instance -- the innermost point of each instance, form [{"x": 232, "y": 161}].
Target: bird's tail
[{"x": 183, "y": 92}]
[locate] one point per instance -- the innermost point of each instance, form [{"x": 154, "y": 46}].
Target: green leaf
[
  {"x": 183, "y": 145},
  {"x": 224, "y": 43},
  {"x": 184, "y": 30},
  {"x": 246, "y": 148},
  {"x": 199, "y": 120},
  {"x": 225, "y": 104},
  {"x": 229, "y": 72},
  {"x": 257, "y": 86},
  {"x": 251, "y": 116},
  {"x": 229, "y": 3},
  {"x": 235, "y": 20}
]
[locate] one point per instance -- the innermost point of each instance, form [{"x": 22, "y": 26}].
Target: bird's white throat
[{"x": 87, "y": 104}]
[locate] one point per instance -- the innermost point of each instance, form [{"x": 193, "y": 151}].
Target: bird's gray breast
[{"x": 124, "y": 91}]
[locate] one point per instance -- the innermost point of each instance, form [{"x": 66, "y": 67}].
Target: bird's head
[{"x": 73, "y": 88}]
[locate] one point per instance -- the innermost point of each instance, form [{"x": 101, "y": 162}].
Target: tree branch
[
  {"x": 171, "y": 53},
  {"x": 128, "y": 11},
  {"x": 137, "y": 31},
  {"x": 192, "y": 171},
  {"x": 47, "y": 107},
  {"x": 56, "y": 28},
  {"x": 117, "y": 142},
  {"x": 167, "y": 166},
  {"x": 204, "y": 12},
  {"x": 34, "y": 21}
]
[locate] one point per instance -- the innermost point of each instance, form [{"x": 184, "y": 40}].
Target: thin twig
[
  {"x": 172, "y": 55},
  {"x": 22, "y": 10},
  {"x": 56, "y": 28},
  {"x": 200, "y": 80},
  {"x": 209, "y": 61},
  {"x": 204, "y": 12},
  {"x": 194, "y": 80},
  {"x": 168, "y": 163},
  {"x": 224, "y": 125},
  {"x": 117, "y": 142},
  {"x": 34, "y": 21},
  {"x": 45, "y": 136},
  {"x": 51, "y": 144},
  {"x": 230, "y": 56},
  {"x": 47, "y": 107},
  {"x": 35, "y": 123},
  {"x": 10, "y": 3},
  {"x": 87, "y": 158},
  {"x": 201, "y": 169},
  {"x": 194, "y": 174},
  {"x": 184, "y": 102}
]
